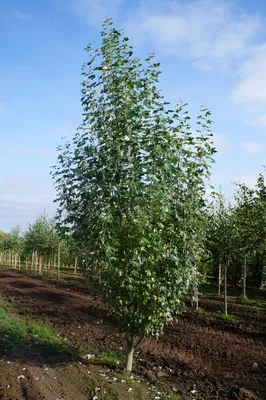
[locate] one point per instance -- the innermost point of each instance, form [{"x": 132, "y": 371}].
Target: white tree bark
[{"x": 245, "y": 278}]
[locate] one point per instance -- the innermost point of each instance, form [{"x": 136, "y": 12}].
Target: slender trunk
[
  {"x": 220, "y": 276},
  {"x": 58, "y": 262},
  {"x": 196, "y": 296},
  {"x": 75, "y": 268},
  {"x": 54, "y": 264},
  {"x": 49, "y": 265},
  {"x": 36, "y": 262},
  {"x": 129, "y": 358},
  {"x": 225, "y": 287},
  {"x": 40, "y": 265},
  {"x": 245, "y": 278},
  {"x": 19, "y": 262}
]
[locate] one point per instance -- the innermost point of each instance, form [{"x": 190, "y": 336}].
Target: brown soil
[{"x": 200, "y": 357}]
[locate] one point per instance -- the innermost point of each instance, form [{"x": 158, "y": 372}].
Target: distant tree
[
  {"x": 2, "y": 238},
  {"x": 259, "y": 231},
  {"x": 243, "y": 215},
  {"x": 221, "y": 235},
  {"x": 41, "y": 236},
  {"x": 13, "y": 240},
  {"x": 130, "y": 189}
]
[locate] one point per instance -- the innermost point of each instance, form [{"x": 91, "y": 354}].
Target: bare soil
[{"x": 200, "y": 357}]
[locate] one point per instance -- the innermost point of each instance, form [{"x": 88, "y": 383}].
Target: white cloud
[
  {"x": 93, "y": 11},
  {"x": 206, "y": 31},
  {"x": 23, "y": 198},
  {"x": 21, "y": 15},
  {"x": 253, "y": 148},
  {"x": 261, "y": 120},
  {"x": 250, "y": 91},
  {"x": 249, "y": 180}
]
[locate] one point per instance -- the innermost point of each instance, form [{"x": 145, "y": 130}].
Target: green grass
[
  {"x": 170, "y": 397},
  {"x": 228, "y": 317},
  {"x": 43, "y": 334},
  {"x": 209, "y": 288},
  {"x": 110, "y": 358},
  {"x": 14, "y": 329},
  {"x": 11, "y": 329},
  {"x": 201, "y": 310}
]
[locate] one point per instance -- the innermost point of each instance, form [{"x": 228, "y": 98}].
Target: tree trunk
[
  {"x": 196, "y": 296},
  {"x": 225, "y": 287},
  {"x": 245, "y": 278},
  {"x": 129, "y": 359},
  {"x": 220, "y": 276},
  {"x": 49, "y": 265},
  {"x": 75, "y": 268},
  {"x": 58, "y": 262},
  {"x": 40, "y": 265},
  {"x": 53, "y": 264},
  {"x": 36, "y": 262}
]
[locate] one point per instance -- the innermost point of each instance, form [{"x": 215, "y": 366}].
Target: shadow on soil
[
  {"x": 22, "y": 285},
  {"x": 31, "y": 352}
]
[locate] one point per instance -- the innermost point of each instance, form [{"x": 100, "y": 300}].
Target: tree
[
  {"x": 243, "y": 216},
  {"x": 259, "y": 221},
  {"x": 2, "y": 240},
  {"x": 130, "y": 189},
  {"x": 221, "y": 238},
  {"x": 41, "y": 237},
  {"x": 250, "y": 222},
  {"x": 12, "y": 243},
  {"x": 13, "y": 240}
]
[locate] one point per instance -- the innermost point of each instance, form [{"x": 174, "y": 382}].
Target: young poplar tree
[
  {"x": 130, "y": 188},
  {"x": 41, "y": 237},
  {"x": 13, "y": 242},
  {"x": 243, "y": 217},
  {"x": 259, "y": 230},
  {"x": 221, "y": 238}
]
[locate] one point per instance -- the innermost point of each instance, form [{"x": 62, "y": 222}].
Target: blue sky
[{"x": 212, "y": 52}]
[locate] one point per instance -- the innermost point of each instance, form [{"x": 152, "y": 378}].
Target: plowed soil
[{"x": 200, "y": 357}]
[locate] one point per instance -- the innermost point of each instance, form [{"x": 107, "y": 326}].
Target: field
[{"x": 58, "y": 341}]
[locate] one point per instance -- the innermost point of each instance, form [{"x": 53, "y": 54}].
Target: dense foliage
[
  {"x": 237, "y": 232},
  {"x": 131, "y": 188}
]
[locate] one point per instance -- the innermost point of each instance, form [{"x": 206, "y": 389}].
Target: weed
[
  {"x": 20, "y": 310},
  {"x": 11, "y": 329},
  {"x": 201, "y": 310},
  {"x": 15, "y": 330},
  {"x": 109, "y": 357},
  {"x": 228, "y": 317},
  {"x": 43, "y": 334}
]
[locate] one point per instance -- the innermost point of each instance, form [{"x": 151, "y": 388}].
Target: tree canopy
[{"x": 131, "y": 185}]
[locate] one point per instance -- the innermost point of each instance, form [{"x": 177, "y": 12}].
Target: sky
[{"x": 212, "y": 52}]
